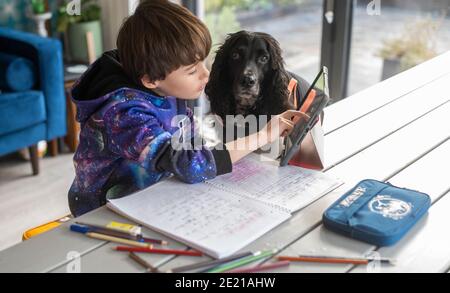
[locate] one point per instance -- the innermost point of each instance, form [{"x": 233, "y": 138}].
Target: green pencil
[{"x": 242, "y": 262}]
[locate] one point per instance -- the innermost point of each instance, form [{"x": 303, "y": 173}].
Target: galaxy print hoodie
[{"x": 125, "y": 140}]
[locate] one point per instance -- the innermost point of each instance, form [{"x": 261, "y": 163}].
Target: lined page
[
  {"x": 213, "y": 221},
  {"x": 289, "y": 187}
]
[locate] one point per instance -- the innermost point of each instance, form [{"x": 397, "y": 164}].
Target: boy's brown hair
[{"x": 159, "y": 38}]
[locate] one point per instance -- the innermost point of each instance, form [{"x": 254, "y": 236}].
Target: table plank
[
  {"x": 50, "y": 250},
  {"x": 322, "y": 241},
  {"x": 409, "y": 142},
  {"x": 379, "y": 124},
  {"x": 370, "y": 99},
  {"x": 44, "y": 252}
]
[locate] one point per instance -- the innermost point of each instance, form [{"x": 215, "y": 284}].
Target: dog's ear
[
  {"x": 278, "y": 79},
  {"x": 218, "y": 89}
]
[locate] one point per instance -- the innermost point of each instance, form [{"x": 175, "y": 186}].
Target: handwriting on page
[
  {"x": 201, "y": 213},
  {"x": 289, "y": 187}
]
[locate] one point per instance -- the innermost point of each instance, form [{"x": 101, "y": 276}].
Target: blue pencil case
[{"x": 376, "y": 212}]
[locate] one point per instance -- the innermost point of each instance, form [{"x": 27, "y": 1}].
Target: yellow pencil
[{"x": 118, "y": 240}]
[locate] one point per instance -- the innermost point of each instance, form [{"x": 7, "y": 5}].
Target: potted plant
[
  {"x": 416, "y": 45},
  {"x": 38, "y": 6},
  {"x": 77, "y": 26},
  {"x": 40, "y": 16}
]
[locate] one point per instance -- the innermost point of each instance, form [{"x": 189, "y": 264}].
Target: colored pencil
[
  {"x": 158, "y": 251},
  {"x": 242, "y": 262},
  {"x": 209, "y": 263},
  {"x": 333, "y": 259},
  {"x": 153, "y": 240},
  {"x": 143, "y": 263},
  {"x": 118, "y": 240},
  {"x": 263, "y": 267}
]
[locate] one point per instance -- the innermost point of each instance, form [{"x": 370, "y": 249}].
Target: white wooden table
[{"x": 396, "y": 131}]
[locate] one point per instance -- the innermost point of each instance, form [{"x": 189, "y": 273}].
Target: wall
[{"x": 113, "y": 14}]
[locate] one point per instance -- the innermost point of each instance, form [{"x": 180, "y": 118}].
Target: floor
[{"x": 27, "y": 201}]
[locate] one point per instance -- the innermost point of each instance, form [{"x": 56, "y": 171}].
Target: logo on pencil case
[
  {"x": 390, "y": 207},
  {"x": 349, "y": 200}
]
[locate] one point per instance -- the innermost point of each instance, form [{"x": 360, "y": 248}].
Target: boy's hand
[{"x": 282, "y": 124}]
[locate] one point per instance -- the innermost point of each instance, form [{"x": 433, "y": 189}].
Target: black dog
[{"x": 248, "y": 78}]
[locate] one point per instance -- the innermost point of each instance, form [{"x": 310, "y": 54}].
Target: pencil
[
  {"x": 104, "y": 228},
  {"x": 158, "y": 251},
  {"x": 118, "y": 240},
  {"x": 209, "y": 263},
  {"x": 155, "y": 241},
  {"x": 121, "y": 234},
  {"x": 96, "y": 229},
  {"x": 263, "y": 267},
  {"x": 242, "y": 262},
  {"x": 331, "y": 259},
  {"x": 143, "y": 263}
]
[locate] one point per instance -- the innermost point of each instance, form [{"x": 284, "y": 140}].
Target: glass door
[
  {"x": 390, "y": 36},
  {"x": 295, "y": 24}
]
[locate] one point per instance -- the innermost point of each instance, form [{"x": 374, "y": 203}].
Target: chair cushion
[
  {"x": 20, "y": 110},
  {"x": 22, "y": 138},
  {"x": 16, "y": 73}
]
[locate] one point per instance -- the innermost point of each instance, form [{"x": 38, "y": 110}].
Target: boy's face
[{"x": 187, "y": 82}]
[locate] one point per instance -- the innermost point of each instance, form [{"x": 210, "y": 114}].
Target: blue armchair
[{"x": 27, "y": 117}]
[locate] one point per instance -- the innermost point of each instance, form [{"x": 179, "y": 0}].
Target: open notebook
[{"x": 222, "y": 215}]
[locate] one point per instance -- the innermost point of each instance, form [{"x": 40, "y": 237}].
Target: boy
[{"x": 127, "y": 100}]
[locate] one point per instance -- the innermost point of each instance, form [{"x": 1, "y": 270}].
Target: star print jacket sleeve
[{"x": 136, "y": 134}]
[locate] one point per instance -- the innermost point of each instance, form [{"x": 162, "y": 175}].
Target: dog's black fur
[{"x": 248, "y": 77}]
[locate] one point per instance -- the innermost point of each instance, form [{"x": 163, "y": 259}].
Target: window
[
  {"x": 296, "y": 24},
  {"x": 390, "y": 36}
]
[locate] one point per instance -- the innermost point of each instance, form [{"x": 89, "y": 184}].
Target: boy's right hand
[{"x": 281, "y": 125}]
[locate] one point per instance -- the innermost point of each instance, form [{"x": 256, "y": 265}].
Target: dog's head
[{"x": 248, "y": 71}]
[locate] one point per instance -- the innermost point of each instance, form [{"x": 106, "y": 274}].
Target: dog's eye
[
  {"x": 264, "y": 59},
  {"x": 235, "y": 56}
]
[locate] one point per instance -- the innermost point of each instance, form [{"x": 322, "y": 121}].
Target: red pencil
[
  {"x": 263, "y": 267},
  {"x": 159, "y": 251}
]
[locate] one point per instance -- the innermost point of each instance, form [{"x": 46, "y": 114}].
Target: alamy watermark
[
  {"x": 74, "y": 7},
  {"x": 74, "y": 264},
  {"x": 375, "y": 265},
  {"x": 190, "y": 133},
  {"x": 374, "y": 8}
]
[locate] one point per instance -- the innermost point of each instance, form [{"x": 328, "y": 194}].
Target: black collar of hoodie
[{"x": 105, "y": 76}]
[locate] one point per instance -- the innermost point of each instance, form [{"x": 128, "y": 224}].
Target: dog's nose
[{"x": 248, "y": 80}]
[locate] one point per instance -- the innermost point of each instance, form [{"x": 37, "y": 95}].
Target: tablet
[{"x": 317, "y": 97}]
